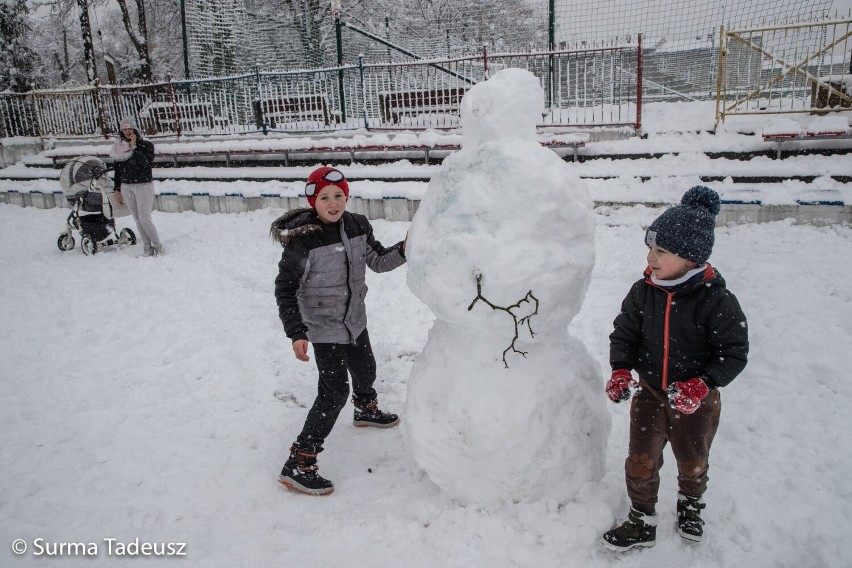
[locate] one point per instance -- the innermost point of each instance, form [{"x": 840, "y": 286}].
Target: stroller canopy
[{"x": 86, "y": 173}]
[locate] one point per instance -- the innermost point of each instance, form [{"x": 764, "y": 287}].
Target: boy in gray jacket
[{"x": 320, "y": 291}]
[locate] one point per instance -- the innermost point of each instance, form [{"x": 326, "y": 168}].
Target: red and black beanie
[{"x": 322, "y": 177}]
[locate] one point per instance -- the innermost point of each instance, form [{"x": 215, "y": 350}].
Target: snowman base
[{"x": 486, "y": 434}]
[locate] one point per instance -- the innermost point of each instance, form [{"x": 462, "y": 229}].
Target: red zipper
[
  {"x": 665, "y": 377},
  {"x": 669, "y": 295}
]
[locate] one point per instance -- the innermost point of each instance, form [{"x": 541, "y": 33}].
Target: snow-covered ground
[{"x": 155, "y": 399}]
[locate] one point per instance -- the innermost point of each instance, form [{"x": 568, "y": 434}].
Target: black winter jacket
[
  {"x": 137, "y": 167},
  {"x": 320, "y": 288},
  {"x": 695, "y": 330}
]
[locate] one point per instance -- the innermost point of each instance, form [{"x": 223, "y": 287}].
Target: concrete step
[{"x": 814, "y": 211}]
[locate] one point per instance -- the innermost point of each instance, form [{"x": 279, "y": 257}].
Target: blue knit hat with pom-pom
[{"x": 687, "y": 229}]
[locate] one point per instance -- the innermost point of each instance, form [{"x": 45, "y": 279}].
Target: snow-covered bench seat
[
  {"x": 825, "y": 128},
  {"x": 284, "y": 150}
]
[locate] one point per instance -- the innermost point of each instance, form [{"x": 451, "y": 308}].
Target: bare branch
[{"x": 508, "y": 309}]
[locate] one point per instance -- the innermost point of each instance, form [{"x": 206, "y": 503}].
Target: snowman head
[{"x": 508, "y": 105}]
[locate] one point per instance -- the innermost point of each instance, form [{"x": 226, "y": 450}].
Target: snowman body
[{"x": 503, "y": 403}]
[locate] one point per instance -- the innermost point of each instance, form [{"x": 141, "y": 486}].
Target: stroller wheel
[
  {"x": 88, "y": 245},
  {"x": 127, "y": 237},
  {"x": 65, "y": 242}
]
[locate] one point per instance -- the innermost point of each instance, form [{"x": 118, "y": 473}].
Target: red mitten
[
  {"x": 686, "y": 396},
  {"x": 618, "y": 386}
]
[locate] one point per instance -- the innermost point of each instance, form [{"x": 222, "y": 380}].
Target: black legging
[{"x": 333, "y": 362}]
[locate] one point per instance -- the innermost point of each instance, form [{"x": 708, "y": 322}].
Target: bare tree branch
[
  {"x": 508, "y": 309},
  {"x": 140, "y": 43}
]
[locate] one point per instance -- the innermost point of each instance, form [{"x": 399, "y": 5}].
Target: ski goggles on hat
[{"x": 332, "y": 176}]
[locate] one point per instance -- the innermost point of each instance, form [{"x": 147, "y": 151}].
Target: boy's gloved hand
[
  {"x": 686, "y": 396},
  {"x": 619, "y": 385}
]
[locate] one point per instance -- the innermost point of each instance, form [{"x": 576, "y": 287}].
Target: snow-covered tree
[
  {"x": 58, "y": 40},
  {"x": 18, "y": 62},
  {"x": 88, "y": 42},
  {"x": 139, "y": 37},
  {"x": 230, "y": 36},
  {"x": 142, "y": 56}
]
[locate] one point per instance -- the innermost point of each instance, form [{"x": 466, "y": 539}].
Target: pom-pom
[{"x": 704, "y": 197}]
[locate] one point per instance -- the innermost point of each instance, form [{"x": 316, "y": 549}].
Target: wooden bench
[
  {"x": 164, "y": 116},
  {"x": 393, "y": 105},
  {"x": 292, "y": 109},
  {"x": 781, "y": 138}
]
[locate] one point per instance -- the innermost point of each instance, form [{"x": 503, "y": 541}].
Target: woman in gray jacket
[{"x": 320, "y": 291}]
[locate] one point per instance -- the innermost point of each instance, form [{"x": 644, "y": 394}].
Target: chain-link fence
[
  {"x": 410, "y": 67},
  {"x": 681, "y": 36}
]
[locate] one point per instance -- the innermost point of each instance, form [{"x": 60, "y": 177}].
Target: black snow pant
[{"x": 333, "y": 362}]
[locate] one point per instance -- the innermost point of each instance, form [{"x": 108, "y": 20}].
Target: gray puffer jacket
[{"x": 320, "y": 288}]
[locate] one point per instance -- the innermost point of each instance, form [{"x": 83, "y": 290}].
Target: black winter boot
[
  {"x": 640, "y": 529},
  {"x": 689, "y": 517},
  {"x": 367, "y": 413},
  {"x": 300, "y": 471}
]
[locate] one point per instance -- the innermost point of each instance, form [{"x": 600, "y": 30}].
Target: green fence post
[
  {"x": 175, "y": 109},
  {"x": 551, "y": 40},
  {"x": 260, "y": 100},
  {"x": 339, "y": 35},
  {"x": 185, "y": 43},
  {"x": 363, "y": 90},
  {"x": 638, "y": 83}
]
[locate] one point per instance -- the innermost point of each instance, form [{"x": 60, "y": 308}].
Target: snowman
[{"x": 503, "y": 403}]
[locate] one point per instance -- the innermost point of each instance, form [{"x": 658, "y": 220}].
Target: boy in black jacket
[
  {"x": 685, "y": 335},
  {"x": 320, "y": 291}
]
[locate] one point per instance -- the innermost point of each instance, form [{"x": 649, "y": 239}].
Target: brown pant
[{"x": 653, "y": 423}]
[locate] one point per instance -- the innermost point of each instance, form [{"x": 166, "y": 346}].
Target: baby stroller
[{"x": 88, "y": 189}]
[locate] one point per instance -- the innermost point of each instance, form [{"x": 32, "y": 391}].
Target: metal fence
[
  {"x": 17, "y": 115},
  {"x": 587, "y": 88}
]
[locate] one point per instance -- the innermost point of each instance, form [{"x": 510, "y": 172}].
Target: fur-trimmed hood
[{"x": 293, "y": 224}]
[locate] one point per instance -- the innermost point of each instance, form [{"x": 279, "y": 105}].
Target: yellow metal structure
[{"x": 792, "y": 68}]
